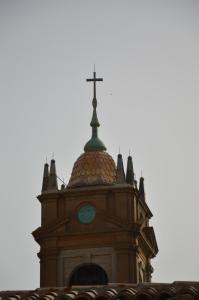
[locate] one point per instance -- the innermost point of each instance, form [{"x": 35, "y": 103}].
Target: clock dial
[{"x": 86, "y": 214}]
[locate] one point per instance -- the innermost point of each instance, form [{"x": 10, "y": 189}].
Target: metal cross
[{"x": 94, "y": 79}]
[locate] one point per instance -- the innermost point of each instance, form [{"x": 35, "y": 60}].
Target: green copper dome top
[{"x": 94, "y": 144}]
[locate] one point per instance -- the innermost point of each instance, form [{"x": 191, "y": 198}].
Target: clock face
[{"x": 86, "y": 214}]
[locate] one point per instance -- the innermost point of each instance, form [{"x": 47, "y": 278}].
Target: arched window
[{"x": 88, "y": 274}]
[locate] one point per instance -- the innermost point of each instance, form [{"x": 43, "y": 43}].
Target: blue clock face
[{"x": 86, "y": 214}]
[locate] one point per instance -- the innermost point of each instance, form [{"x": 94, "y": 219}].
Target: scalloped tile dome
[{"x": 93, "y": 168}]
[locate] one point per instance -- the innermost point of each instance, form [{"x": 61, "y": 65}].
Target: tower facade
[{"x": 96, "y": 229}]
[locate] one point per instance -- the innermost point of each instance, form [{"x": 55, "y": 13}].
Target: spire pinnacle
[
  {"x": 94, "y": 144},
  {"x": 120, "y": 176},
  {"x": 141, "y": 187},
  {"x": 45, "y": 177},
  {"x": 130, "y": 171},
  {"x": 52, "y": 185}
]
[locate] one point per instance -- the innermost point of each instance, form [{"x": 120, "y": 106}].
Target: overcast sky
[{"x": 148, "y": 54}]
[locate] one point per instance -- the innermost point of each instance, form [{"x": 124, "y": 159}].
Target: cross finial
[
  {"x": 94, "y": 79},
  {"x": 94, "y": 144}
]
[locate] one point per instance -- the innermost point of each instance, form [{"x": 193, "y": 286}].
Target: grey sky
[{"x": 148, "y": 54}]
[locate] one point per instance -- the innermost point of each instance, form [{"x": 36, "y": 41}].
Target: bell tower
[{"x": 96, "y": 229}]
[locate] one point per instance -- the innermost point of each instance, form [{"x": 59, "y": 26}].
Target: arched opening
[{"x": 88, "y": 274}]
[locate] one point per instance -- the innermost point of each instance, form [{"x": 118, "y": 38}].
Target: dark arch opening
[{"x": 88, "y": 274}]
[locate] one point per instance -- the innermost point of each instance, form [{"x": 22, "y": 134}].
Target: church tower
[{"x": 96, "y": 229}]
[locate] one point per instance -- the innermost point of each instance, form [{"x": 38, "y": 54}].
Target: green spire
[
  {"x": 120, "y": 175},
  {"x": 94, "y": 144},
  {"x": 141, "y": 188},
  {"x": 129, "y": 171},
  {"x": 52, "y": 184},
  {"x": 45, "y": 178}
]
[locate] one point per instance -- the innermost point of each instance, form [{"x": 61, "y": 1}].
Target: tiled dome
[{"x": 93, "y": 168}]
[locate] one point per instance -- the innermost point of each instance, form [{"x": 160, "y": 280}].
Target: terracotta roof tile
[
  {"x": 145, "y": 291},
  {"x": 93, "y": 168}
]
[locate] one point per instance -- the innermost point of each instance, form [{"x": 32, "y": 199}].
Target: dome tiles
[{"x": 93, "y": 168}]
